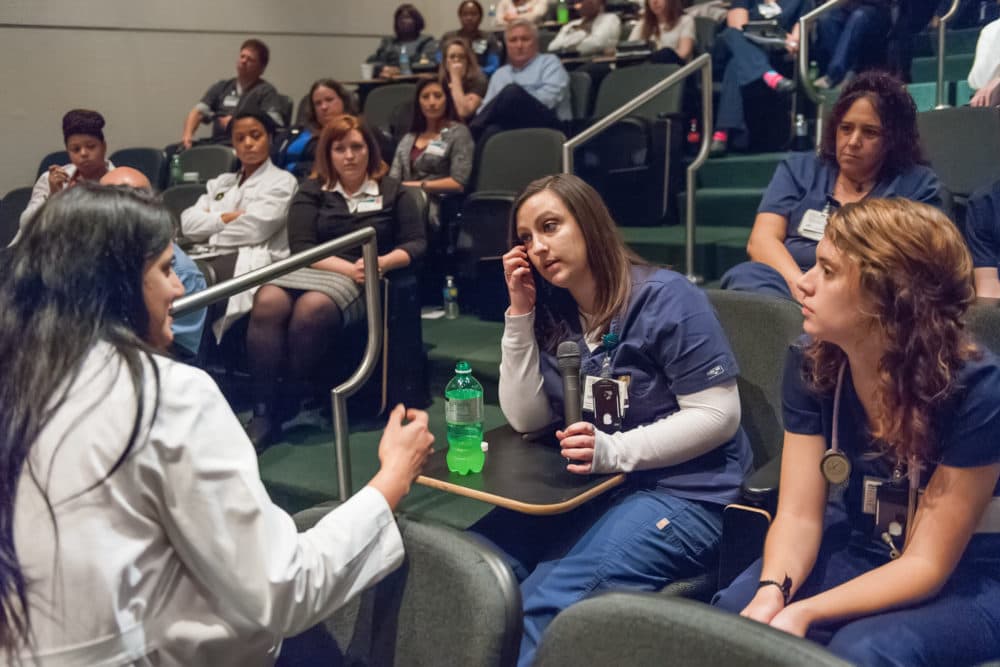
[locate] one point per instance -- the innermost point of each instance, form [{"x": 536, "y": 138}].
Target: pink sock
[
  {"x": 720, "y": 135},
  {"x": 772, "y": 79}
]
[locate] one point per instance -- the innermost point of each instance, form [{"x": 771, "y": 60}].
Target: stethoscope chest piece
[{"x": 836, "y": 467}]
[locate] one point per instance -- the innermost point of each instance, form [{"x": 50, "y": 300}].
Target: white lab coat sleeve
[
  {"x": 242, "y": 548},
  {"x": 199, "y": 222}
]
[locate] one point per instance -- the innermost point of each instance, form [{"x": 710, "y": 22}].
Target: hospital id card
[{"x": 813, "y": 225}]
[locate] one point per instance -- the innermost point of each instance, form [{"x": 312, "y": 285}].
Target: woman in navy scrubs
[
  {"x": 886, "y": 543},
  {"x": 871, "y": 148},
  {"x": 644, "y": 329}
]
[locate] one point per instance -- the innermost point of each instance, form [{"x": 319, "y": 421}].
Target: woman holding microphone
[{"x": 673, "y": 426}]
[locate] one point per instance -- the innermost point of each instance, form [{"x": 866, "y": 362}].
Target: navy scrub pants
[
  {"x": 745, "y": 63},
  {"x": 959, "y": 626},
  {"x": 637, "y": 539},
  {"x": 848, "y": 39},
  {"x": 756, "y": 277}
]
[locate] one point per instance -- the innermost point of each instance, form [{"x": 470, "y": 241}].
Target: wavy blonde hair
[{"x": 915, "y": 277}]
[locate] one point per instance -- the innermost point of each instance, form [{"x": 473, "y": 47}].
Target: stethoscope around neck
[{"x": 836, "y": 470}]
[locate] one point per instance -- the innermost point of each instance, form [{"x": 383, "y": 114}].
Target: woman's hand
[
  {"x": 765, "y": 605},
  {"x": 456, "y": 70},
  {"x": 520, "y": 282},
  {"x": 577, "y": 443},
  {"x": 982, "y": 96},
  {"x": 402, "y": 452},
  {"x": 229, "y": 217},
  {"x": 58, "y": 178},
  {"x": 793, "y": 619}
]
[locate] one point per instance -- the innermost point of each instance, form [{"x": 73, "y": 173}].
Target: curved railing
[
  {"x": 338, "y": 395},
  {"x": 702, "y": 63},
  {"x": 942, "y": 27},
  {"x": 807, "y": 85}
]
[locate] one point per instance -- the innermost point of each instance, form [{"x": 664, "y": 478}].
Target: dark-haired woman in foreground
[
  {"x": 571, "y": 278},
  {"x": 137, "y": 530},
  {"x": 892, "y": 430},
  {"x": 871, "y": 148}
]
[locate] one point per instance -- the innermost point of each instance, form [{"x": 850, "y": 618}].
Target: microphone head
[{"x": 568, "y": 355}]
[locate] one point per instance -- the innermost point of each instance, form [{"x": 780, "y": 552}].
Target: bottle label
[{"x": 466, "y": 411}]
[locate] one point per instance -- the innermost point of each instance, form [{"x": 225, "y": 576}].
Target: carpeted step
[
  {"x": 739, "y": 171},
  {"x": 956, "y": 67},
  {"x": 727, "y": 207},
  {"x": 665, "y": 245}
]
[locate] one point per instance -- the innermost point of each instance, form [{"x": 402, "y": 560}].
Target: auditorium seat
[
  {"x": 208, "y": 161},
  {"x": 962, "y": 145},
  {"x": 180, "y": 197},
  {"x": 11, "y": 207},
  {"x": 454, "y": 602},
  {"x": 508, "y": 162},
  {"x": 580, "y": 85},
  {"x": 382, "y": 110},
  {"x": 58, "y": 158},
  {"x": 641, "y": 630},
  {"x": 150, "y": 161}
]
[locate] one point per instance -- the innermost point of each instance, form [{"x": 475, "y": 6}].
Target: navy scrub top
[
  {"x": 968, "y": 428},
  {"x": 982, "y": 227},
  {"x": 670, "y": 343},
  {"x": 805, "y": 182}
]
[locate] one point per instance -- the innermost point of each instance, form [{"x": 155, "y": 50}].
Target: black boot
[{"x": 265, "y": 427}]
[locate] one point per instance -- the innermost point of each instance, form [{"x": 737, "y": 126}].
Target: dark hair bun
[{"x": 83, "y": 121}]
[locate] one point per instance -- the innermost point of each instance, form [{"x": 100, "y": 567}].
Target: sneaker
[
  {"x": 717, "y": 148},
  {"x": 823, "y": 83},
  {"x": 784, "y": 86}
]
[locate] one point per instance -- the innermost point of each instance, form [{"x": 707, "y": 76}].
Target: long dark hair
[
  {"x": 897, "y": 112},
  {"x": 418, "y": 122},
  {"x": 651, "y": 24},
  {"x": 338, "y": 88},
  {"x": 610, "y": 261},
  {"x": 72, "y": 281}
]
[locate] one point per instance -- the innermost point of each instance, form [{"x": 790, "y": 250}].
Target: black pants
[{"x": 511, "y": 109}]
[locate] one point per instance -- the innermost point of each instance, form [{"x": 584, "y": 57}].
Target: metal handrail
[
  {"x": 702, "y": 63},
  {"x": 807, "y": 85},
  {"x": 339, "y": 394},
  {"x": 942, "y": 25}
]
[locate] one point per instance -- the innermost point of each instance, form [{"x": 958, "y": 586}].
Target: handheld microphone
[{"x": 568, "y": 358}]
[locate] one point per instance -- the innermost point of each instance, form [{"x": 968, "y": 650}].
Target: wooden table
[{"x": 521, "y": 475}]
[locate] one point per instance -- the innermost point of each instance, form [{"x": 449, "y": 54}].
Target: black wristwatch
[{"x": 784, "y": 586}]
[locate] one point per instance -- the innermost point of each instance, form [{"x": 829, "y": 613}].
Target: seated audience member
[
  {"x": 230, "y": 97},
  {"x": 531, "y": 90},
  {"x": 984, "y": 77},
  {"x": 460, "y": 72},
  {"x": 83, "y": 136},
  {"x": 849, "y": 38},
  {"x": 870, "y": 149},
  {"x": 327, "y": 100},
  {"x": 242, "y": 216},
  {"x": 137, "y": 528},
  {"x": 408, "y": 25},
  {"x": 296, "y": 320},
  {"x": 571, "y": 278},
  {"x": 436, "y": 154},
  {"x": 743, "y": 62},
  {"x": 595, "y": 32},
  {"x": 485, "y": 46},
  {"x": 186, "y": 330},
  {"x": 982, "y": 233},
  {"x": 887, "y": 535},
  {"x": 664, "y": 25},
  {"x": 509, "y": 11}
]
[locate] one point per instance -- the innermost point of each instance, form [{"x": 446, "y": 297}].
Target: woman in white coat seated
[
  {"x": 242, "y": 215},
  {"x": 137, "y": 529}
]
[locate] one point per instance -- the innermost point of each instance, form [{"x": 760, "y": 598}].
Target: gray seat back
[
  {"x": 983, "y": 322},
  {"x": 759, "y": 328},
  {"x": 622, "y": 85},
  {"x": 57, "y": 158},
  {"x": 381, "y": 103},
  {"x": 512, "y": 159},
  {"x": 11, "y": 208},
  {"x": 454, "y": 602},
  {"x": 640, "y": 629},
  {"x": 962, "y": 145},
  {"x": 208, "y": 160},
  {"x": 579, "y": 94},
  {"x": 152, "y": 162}
]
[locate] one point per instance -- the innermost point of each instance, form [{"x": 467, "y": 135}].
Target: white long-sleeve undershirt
[{"x": 704, "y": 420}]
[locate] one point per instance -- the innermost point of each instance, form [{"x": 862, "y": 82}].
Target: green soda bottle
[
  {"x": 562, "y": 12},
  {"x": 463, "y": 412}
]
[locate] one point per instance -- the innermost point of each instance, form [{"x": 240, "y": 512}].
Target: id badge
[
  {"x": 479, "y": 47},
  {"x": 230, "y": 101},
  {"x": 607, "y": 405},
  {"x": 370, "y": 205},
  {"x": 769, "y": 11},
  {"x": 437, "y": 148},
  {"x": 588, "y": 392},
  {"x": 813, "y": 225}
]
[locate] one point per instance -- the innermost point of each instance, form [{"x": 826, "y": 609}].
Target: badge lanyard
[
  {"x": 610, "y": 342},
  {"x": 836, "y": 467}
]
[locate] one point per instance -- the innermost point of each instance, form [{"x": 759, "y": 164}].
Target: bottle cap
[
  {"x": 485, "y": 446},
  {"x": 463, "y": 367}
]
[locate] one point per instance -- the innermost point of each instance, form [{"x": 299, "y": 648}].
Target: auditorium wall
[{"x": 145, "y": 64}]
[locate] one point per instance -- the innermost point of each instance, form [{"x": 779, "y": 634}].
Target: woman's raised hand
[{"x": 520, "y": 281}]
